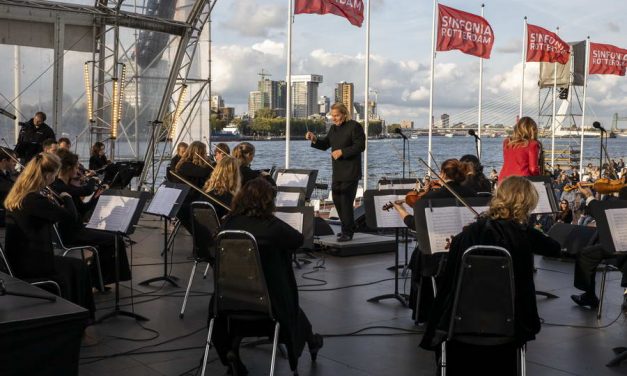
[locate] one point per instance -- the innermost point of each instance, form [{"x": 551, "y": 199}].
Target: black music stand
[
  {"x": 118, "y": 212},
  {"x": 377, "y": 218},
  {"x": 166, "y": 204},
  {"x": 286, "y": 214},
  {"x": 289, "y": 197},
  {"x": 297, "y": 178}
]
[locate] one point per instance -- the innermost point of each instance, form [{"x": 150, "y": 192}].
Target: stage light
[
  {"x": 88, "y": 93},
  {"x": 177, "y": 113},
  {"x": 122, "y": 84},
  {"x": 115, "y": 109}
]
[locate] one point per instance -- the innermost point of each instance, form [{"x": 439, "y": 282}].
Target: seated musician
[
  {"x": 180, "y": 152},
  {"x": 506, "y": 226},
  {"x": 244, "y": 152},
  {"x": 74, "y": 233},
  {"x": 590, "y": 257},
  {"x": 475, "y": 179},
  {"x": 220, "y": 151},
  {"x": 252, "y": 211},
  {"x": 194, "y": 168},
  {"x": 98, "y": 160},
  {"x": 223, "y": 184},
  {"x": 31, "y": 212}
]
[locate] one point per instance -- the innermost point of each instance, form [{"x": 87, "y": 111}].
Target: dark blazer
[
  {"x": 196, "y": 175},
  {"x": 522, "y": 242},
  {"x": 30, "y": 139},
  {"x": 247, "y": 174},
  {"x": 29, "y": 234},
  {"x": 225, "y": 198},
  {"x": 97, "y": 162},
  {"x": 350, "y": 138}
]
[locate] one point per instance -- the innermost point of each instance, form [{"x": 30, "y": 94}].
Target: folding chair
[
  {"x": 32, "y": 281},
  {"x": 58, "y": 242}
]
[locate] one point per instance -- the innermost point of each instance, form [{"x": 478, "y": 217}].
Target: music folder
[
  {"x": 297, "y": 178},
  {"x": 118, "y": 211},
  {"x": 546, "y": 197},
  {"x": 301, "y": 219},
  {"x": 376, "y": 217},
  {"x": 168, "y": 199},
  {"x": 611, "y": 220}
]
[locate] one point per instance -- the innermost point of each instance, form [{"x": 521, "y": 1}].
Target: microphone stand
[{"x": 601, "y": 153}]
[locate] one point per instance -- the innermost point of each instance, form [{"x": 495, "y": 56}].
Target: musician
[
  {"x": 98, "y": 160},
  {"x": 180, "y": 152},
  {"x": 74, "y": 232},
  {"x": 31, "y": 212},
  {"x": 195, "y": 169},
  {"x": 506, "y": 226},
  {"x": 252, "y": 211},
  {"x": 590, "y": 257},
  {"x": 244, "y": 152},
  {"x": 521, "y": 151},
  {"x": 220, "y": 151},
  {"x": 223, "y": 184},
  {"x": 49, "y": 146},
  {"x": 347, "y": 141},
  {"x": 64, "y": 143},
  {"x": 32, "y": 135},
  {"x": 475, "y": 179}
]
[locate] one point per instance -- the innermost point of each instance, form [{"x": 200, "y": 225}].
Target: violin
[
  {"x": 51, "y": 195},
  {"x": 604, "y": 185},
  {"x": 414, "y": 195}
]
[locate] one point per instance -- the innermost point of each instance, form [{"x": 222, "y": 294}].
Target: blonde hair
[
  {"x": 224, "y": 178},
  {"x": 515, "y": 198},
  {"x": 341, "y": 107},
  {"x": 32, "y": 179},
  {"x": 194, "y": 153},
  {"x": 244, "y": 153},
  {"x": 524, "y": 131}
]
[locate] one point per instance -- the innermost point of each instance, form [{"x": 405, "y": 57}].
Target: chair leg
[
  {"x": 443, "y": 360},
  {"x": 99, "y": 269},
  {"x": 204, "y": 276},
  {"x": 189, "y": 286},
  {"x": 51, "y": 282},
  {"x": 207, "y": 347},
  {"x": 274, "y": 347},
  {"x": 523, "y": 360},
  {"x": 602, "y": 294}
]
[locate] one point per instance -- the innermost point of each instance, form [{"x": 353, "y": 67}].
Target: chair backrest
[
  {"x": 205, "y": 228},
  {"x": 239, "y": 282},
  {"x": 483, "y": 306},
  {"x": 5, "y": 267},
  {"x": 57, "y": 241}
]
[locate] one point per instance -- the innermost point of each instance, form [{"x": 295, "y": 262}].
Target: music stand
[
  {"x": 166, "y": 204},
  {"x": 117, "y": 212},
  {"x": 297, "y": 178},
  {"x": 377, "y": 218},
  {"x": 301, "y": 218},
  {"x": 385, "y": 183},
  {"x": 544, "y": 186}
]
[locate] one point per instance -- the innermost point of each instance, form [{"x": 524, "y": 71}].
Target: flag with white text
[
  {"x": 545, "y": 46},
  {"x": 352, "y": 10},
  {"x": 467, "y": 32},
  {"x": 607, "y": 59}
]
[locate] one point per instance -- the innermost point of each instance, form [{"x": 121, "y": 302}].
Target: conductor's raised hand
[{"x": 310, "y": 136}]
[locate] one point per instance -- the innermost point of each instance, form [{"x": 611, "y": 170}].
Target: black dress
[
  {"x": 276, "y": 241},
  {"x": 197, "y": 175},
  {"x": 29, "y": 248},
  {"x": 225, "y": 198},
  {"x": 74, "y": 233},
  {"x": 522, "y": 241},
  {"x": 97, "y": 162},
  {"x": 247, "y": 174}
]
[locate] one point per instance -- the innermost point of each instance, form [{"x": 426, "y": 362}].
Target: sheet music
[
  {"x": 443, "y": 223},
  {"x": 398, "y": 186},
  {"x": 467, "y": 217},
  {"x": 293, "y": 219},
  {"x": 617, "y": 221},
  {"x": 163, "y": 201},
  {"x": 113, "y": 213},
  {"x": 286, "y": 199},
  {"x": 289, "y": 179},
  {"x": 544, "y": 204},
  {"x": 390, "y": 218}
]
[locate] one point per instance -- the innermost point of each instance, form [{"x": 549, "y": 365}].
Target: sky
[{"x": 250, "y": 35}]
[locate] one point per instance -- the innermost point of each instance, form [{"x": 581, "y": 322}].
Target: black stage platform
[{"x": 558, "y": 350}]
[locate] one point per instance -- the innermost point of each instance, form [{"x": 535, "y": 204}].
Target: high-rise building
[
  {"x": 227, "y": 113},
  {"x": 305, "y": 95},
  {"x": 216, "y": 103},
  {"x": 255, "y": 102},
  {"x": 445, "y": 120},
  {"x": 345, "y": 93},
  {"x": 325, "y": 105},
  {"x": 358, "y": 111},
  {"x": 273, "y": 95}
]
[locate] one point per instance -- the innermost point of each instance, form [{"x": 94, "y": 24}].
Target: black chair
[
  {"x": 58, "y": 242},
  {"x": 32, "y": 281},
  {"x": 205, "y": 228},
  {"x": 240, "y": 291},
  {"x": 485, "y": 319}
]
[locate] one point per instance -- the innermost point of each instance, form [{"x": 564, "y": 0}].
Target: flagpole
[
  {"x": 435, "y": 10},
  {"x": 524, "y": 60},
  {"x": 479, "y": 112},
  {"x": 554, "y": 123},
  {"x": 367, "y": 93},
  {"x": 583, "y": 109},
  {"x": 288, "y": 96}
]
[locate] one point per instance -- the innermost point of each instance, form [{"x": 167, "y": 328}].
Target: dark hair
[
  {"x": 244, "y": 152},
  {"x": 48, "y": 142},
  {"x": 476, "y": 163},
  {"x": 64, "y": 139},
  {"x": 454, "y": 170},
  {"x": 222, "y": 148},
  {"x": 41, "y": 115},
  {"x": 95, "y": 148},
  {"x": 254, "y": 199},
  {"x": 68, "y": 159}
]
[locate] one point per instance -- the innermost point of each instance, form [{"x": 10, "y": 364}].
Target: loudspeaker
[
  {"x": 572, "y": 238},
  {"x": 321, "y": 227},
  {"x": 359, "y": 214}
]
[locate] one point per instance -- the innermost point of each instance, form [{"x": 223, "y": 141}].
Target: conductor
[{"x": 347, "y": 141}]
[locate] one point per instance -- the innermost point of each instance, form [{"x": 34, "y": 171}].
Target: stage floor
[{"x": 558, "y": 350}]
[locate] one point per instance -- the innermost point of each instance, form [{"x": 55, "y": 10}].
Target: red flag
[
  {"x": 352, "y": 10},
  {"x": 607, "y": 59},
  {"x": 546, "y": 46},
  {"x": 467, "y": 32}
]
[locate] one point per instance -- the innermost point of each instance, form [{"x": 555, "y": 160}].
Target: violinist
[
  {"x": 180, "y": 152},
  {"x": 244, "y": 152},
  {"x": 522, "y": 151},
  {"x": 220, "y": 151},
  {"x": 223, "y": 183},
  {"x": 194, "y": 168},
  {"x": 31, "y": 212},
  {"x": 475, "y": 179},
  {"x": 98, "y": 160}
]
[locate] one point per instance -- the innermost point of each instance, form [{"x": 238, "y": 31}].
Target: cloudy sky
[{"x": 250, "y": 35}]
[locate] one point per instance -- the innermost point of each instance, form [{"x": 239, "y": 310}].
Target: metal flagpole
[
  {"x": 288, "y": 102},
  {"x": 524, "y": 61},
  {"x": 435, "y": 11},
  {"x": 479, "y": 113},
  {"x": 583, "y": 106},
  {"x": 16, "y": 89},
  {"x": 554, "y": 122},
  {"x": 367, "y": 91}
]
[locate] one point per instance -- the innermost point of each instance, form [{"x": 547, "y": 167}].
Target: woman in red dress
[{"x": 521, "y": 151}]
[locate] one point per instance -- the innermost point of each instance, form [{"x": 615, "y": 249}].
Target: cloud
[
  {"x": 251, "y": 19},
  {"x": 513, "y": 45},
  {"x": 270, "y": 47},
  {"x": 613, "y": 27}
]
